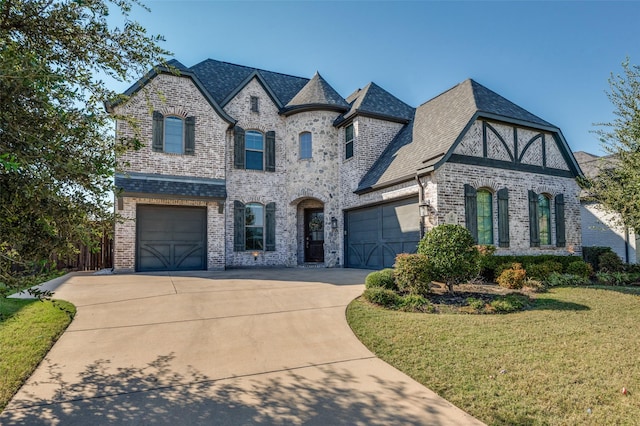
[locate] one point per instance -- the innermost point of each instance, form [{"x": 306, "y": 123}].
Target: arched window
[
  {"x": 305, "y": 145},
  {"x": 485, "y": 216},
  {"x": 173, "y": 135},
  {"x": 254, "y": 226},
  {"x": 254, "y": 150},
  {"x": 544, "y": 219}
]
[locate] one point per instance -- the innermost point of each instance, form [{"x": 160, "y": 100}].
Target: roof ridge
[
  {"x": 251, "y": 68},
  {"x": 445, "y": 92}
]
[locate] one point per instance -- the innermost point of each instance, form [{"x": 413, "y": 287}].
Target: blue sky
[{"x": 551, "y": 58}]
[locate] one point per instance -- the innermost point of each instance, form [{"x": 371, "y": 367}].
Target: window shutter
[
  {"x": 471, "y": 211},
  {"x": 238, "y": 226},
  {"x": 157, "y": 144},
  {"x": 534, "y": 230},
  {"x": 270, "y": 152},
  {"x": 238, "y": 148},
  {"x": 561, "y": 239},
  {"x": 503, "y": 217},
  {"x": 190, "y": 135},
  {"x": 270, "y": 227}
]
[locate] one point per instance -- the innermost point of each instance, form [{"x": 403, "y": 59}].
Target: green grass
[
  {"x": 573, "y": 351},
  {"x": 28, "y": 329}
]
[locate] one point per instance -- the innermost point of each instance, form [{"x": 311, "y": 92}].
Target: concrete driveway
[{"x": 235, "y": 347}]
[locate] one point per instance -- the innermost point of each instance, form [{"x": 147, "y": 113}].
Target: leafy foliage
[
  {"x": 541, "y": 271},
  {"x": 616, "y": 186},
  {"x": 510, "y": 303},
  {"x": 492, "y": 266},
  {"x": 451, "y": 253},
  {"x": 562, "y": 280},
  {"x": 610, "y": 262},
  {"x": 383, "y": 279},
  {"x": 57, "y": 150},
  {"x": 413, "y": 273},
  {"x": 512, "y": 277},
  {"x": 591, "y": 255},
  {"x": 382, "y": 296},
  {"x": 414, "y": 303},
  {"x": 581, "y": 268}
]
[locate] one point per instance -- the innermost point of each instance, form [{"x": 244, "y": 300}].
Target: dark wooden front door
[{"x": 313, "y": 235}]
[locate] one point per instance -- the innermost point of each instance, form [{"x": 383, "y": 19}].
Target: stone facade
[{"x": 326, "y": 180}]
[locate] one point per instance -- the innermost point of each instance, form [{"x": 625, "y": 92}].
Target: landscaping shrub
[
  {"x": 559, "y": 280},
  {"x": 534, "y": 286},
  {"x": 613, "y": 278},
  {"x": 382, "y": 279},
  {"x": 591, "y": 255},
  {"x": 541, "y": 271},
  {"x": 415, "y": 303},
  {"x": 452, "y": 254},
  {"x": 581, "y": 268},
  {"x": 510, "y": 303},
  {"x": 413, "y": 273},
  {"x": 610, "y": 262},
  {"x": 512, "y": 277},
  {"x": 475, "y": 304},
  {"x": 490, "y": 265},
  {"x": 382, "y": 296}
]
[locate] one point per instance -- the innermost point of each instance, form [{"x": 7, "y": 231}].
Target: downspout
[{"x": 626, "y": 244}]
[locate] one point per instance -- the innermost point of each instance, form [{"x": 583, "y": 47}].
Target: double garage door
[
  {"x": 171, "y": 238},
  {"x": 375, "y": 235}
]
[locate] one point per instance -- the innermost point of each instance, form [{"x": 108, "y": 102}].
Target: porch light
[
  {"x": 424, "y": 208},
  {"x": 255, "y": 255},
  {"x": 334, "y": 223}
]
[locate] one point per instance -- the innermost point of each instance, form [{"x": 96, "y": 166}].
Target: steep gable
[
  {"x": 317, "y": 93},
  {"x": 373, "y": 101}
]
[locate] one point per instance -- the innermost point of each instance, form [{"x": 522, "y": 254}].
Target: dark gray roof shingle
[
  {"x": 174, "y": 186},
  {"x": 373, "y": 100},
  {"x": 436, "y": 126},
  {"x": 222, "y": 79},
  {"x": 318, "y": 92}
]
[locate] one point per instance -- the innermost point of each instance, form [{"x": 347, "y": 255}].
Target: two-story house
[{"x": 246, "y": 167}]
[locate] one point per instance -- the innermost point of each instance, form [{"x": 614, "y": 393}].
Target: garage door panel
[
  {"x": 171, "y": 238},
  {"x": 379, "y": 233}
]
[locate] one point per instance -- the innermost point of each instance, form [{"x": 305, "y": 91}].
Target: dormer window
[{"x": 254, "y": 104}]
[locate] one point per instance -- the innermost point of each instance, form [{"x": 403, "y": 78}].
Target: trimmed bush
[
  {"x": 452, "y": 254},
  {"x": 581, "y": 268},
  {"x": 381, "y": 279},
  {"x": 541, "y": 271},
  {"x": 591, "y": 255},
  {"x": 415, "y": 303},
  {"x": 382, "y": 296},
  {"x": 489, "y": 265},
  {"x": 413, "y": 273},
  {"x": 610, "y": 262},
  {"x": 512, "y": 277}
]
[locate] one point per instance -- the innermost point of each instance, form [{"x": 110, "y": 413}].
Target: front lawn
[
  {"x": 564, "y": 361},
  {"x": 28, "y": 329}
]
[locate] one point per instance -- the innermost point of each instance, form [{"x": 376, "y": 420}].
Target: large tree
[
  {"x": 617, "y": 186},
  {"x": 57, "y": 150}
]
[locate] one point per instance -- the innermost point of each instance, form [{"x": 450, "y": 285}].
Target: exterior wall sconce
[
  {"x": 424, "y": 208},
  {"x": 255, "y": 255},
  {"x": 334, "y": 223}
]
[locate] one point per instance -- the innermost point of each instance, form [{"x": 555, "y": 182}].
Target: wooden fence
[{"x": 86, "y": 260}]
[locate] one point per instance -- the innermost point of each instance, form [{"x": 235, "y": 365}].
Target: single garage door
[
  {"x": 171, "y": 238},
  {"x": 375, "y": 235}
]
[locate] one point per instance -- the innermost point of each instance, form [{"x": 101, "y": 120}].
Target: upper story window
[
  {"x": 254, "y": 150},
  {"x": 485, "y": 216},
  {"x": 305, "y": 145},
  {"x": 348, "y": 142},
  {"x": 172, "y": 134},
  {"x": 544, "y": 219},
  {"x": 254, "y": 104}
]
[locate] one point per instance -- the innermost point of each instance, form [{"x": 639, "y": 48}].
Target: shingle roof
[
  {"x": 373, "y": 100},
  {"x": 435, "y": 128},
  {"x": 222, "y": 79},
  {"x": 317, "y": 92},
  {"x": 174, "y": 186},
  {"x": 592, "y": 164}
]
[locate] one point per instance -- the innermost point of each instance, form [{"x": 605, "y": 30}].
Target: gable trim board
[{"x": 394, "y": 144}]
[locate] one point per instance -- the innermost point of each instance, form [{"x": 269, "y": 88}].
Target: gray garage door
[
  {"x": 375, "y": 235},
  {"x": 171, "y": 238}
]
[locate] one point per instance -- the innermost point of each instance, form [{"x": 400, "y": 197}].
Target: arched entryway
[{"x": 310, "y": 231}]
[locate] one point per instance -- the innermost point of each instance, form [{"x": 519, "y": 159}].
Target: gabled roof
[
  {"x": 224, "y": 80},
  {"x": 438, "y": 124},
  {"x": 316, "y": 94},
  {"x": 374, "y": 101},
  {"x": 177, "y": 68},
  {"x": 591, "y": 164}
]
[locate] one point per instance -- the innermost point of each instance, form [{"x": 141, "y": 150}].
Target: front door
[{"x": 313, "y": 235}]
